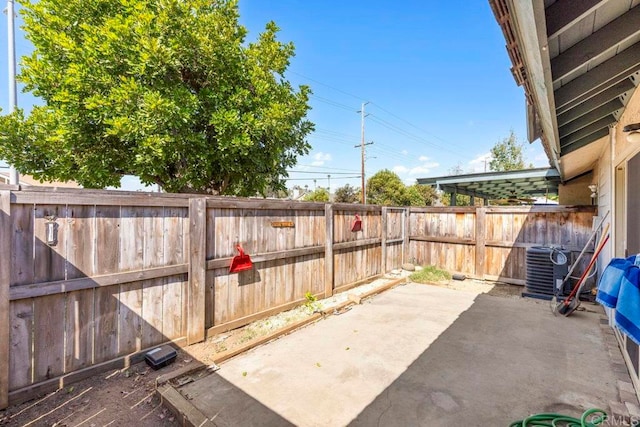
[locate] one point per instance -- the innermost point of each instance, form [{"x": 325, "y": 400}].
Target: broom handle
[
  {"x": 593, "y": 260},
  {"x": 593, "y": 234}
]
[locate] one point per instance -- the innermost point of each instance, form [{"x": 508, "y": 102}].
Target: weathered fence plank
[
  {"x": 21, "y": 344},
  {"x": 5, "y": 283},
  {"x": 196, "y": 296},
  {"x": 328, "y": 254},
  {"x": 22, "y": 244},
  {"x": 78, "y": 330}
]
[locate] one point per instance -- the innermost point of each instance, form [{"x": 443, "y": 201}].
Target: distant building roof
[
  {"x": 499, "y": 185},
  {"x": 28, "y": 180}
]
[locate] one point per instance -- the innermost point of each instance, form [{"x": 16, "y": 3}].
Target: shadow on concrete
[
  {"x": 227, "y": 405},
  {"x": 500, "y": 361}
]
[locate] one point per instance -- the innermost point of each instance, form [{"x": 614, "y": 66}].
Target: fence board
[
  {"x": 21, "y": 344},
  {"x": 5, "y": 283},
  {"x": 130, "y": 318},
  {"x": 108, "y": 229},
  {"x": 152, "y": 312},
  {"x": 80, "y": 241},
  {"x": 131, "y": 238},
  {"x": 48, "y": 341},
  {"x": 78, "y": 330},
  {"x": 329, "y": 257},
  {"x": 22, "y": 244},
  {"x": 106, "y": 324}
]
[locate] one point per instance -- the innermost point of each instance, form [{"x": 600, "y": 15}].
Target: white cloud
[
  {"x": 400, "y": 169},
  {"x": 406, "y": 173},
  {"x": 423, "y": 169},
  {"x": 404, "y": 152},
  {"x": 320, "y": 158},
  {"x": 478, "y": 164}
]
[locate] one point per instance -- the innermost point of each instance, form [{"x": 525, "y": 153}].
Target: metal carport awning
[{"x": 538, "y": 182}]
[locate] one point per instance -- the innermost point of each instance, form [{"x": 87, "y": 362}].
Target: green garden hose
[{"x": 558, "y": 420}]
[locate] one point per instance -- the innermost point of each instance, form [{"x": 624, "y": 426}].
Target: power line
[
  {"x": 410, "y": 124},
  {"x": 320, "y": 177},
  {"x": 332, "y": 103},
  {"x": 329, "y": 168},
  {"x": 333, "y": 132},
  {"x": 346, "y": 107},
  {"x": 403, "y": 132},
  {"x": 316, "y": 172},
  {"x": 359, "y": 98}
]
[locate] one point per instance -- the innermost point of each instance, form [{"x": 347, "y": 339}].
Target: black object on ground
[{"x": 161, "y": 356}]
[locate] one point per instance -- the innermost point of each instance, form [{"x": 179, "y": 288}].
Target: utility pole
[
  {"x": 362, "y": 145},
  {"x": 13, "y": 98},
  {"x": 329, "y": 182}
]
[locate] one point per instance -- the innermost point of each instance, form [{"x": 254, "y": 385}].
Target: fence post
[
  {"x": 328, "y": 251},
  {"x": 481, "y": 218},
  {"x": 5, "y": 282},
  {"x": 384, "y": 239},
  {"x": 197, "y": 271},
  {"x": 406, "y": 248}
]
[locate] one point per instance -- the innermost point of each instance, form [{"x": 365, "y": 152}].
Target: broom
[{"x": 572, "y": 302}]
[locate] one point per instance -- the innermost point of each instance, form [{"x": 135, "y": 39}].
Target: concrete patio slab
[{"x": 417, "y": 355}]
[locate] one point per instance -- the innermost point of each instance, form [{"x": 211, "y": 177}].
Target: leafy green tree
[
  {"x": 461, "y": 200},
  {"x": 318, "y": 195},
  {"x": 168, "y": 90},
  {"x": 386, "y": 188},
  {"x": 347, "y": 194},
  {"x": 422, "y": 195},
  {"x": 507, "y": 155}
]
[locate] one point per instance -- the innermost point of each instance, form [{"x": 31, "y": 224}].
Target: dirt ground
[{"x": 127, "y": 397}]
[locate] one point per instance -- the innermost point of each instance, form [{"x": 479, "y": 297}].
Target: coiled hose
[{"x": 590, "y": 418}]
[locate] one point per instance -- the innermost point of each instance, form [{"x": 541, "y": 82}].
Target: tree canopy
[
  {"x": 507, "y": 155},
  {"x": 386, "y": 188},
  {"x": 318, "y": 195},
  {"x": 167, "y": 90},
  {"x": 347, "y": 194}
]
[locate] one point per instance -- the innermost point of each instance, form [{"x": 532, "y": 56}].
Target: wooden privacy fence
[
  {"x": 491, "y": 242},
  {"x": 90, "y": 279}
]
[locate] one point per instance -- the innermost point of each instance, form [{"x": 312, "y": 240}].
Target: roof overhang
[
  {"x": 499, "y": 185},
  {"x": 579, "y": 62}
]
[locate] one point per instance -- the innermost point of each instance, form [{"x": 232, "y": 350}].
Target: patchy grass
[{"x": 430, "y": 273}]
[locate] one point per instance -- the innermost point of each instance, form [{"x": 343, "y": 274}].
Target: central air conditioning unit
[{"x": 546, "y": 269}]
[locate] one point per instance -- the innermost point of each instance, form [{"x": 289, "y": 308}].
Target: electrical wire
[
  {"x": 333, "y": 103},
  {"x": 360, "y": 98},
  {"x": 321, "y": 177},
  {"x": 407, "y": 134},
  {"x": 409, "y": 123},
  {"x": 330, "y": 168},
  {"x": 316, "y": 172}
]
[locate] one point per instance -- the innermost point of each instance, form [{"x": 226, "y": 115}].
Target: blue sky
[{"x": 436, "y": 76}]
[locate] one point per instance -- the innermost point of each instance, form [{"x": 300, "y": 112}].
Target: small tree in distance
[
  {"x": 347, "y": 194},
  {"x": 507, "y": 155},
  {"x": 387, "y": 189},
  {"x": 318, "y": 195}
]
